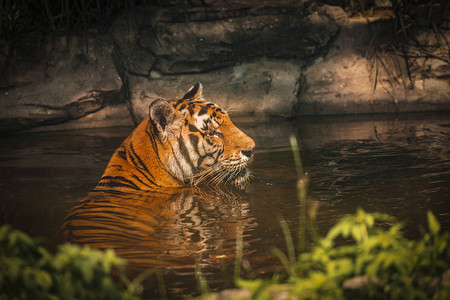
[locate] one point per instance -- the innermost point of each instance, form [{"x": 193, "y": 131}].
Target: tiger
[
  {"x": 152, "y": 204},
  {"x": 185, "y": 141}
]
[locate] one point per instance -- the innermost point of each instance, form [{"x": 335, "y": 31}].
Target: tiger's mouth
[
  {"x": 238, "y": 175},
  {"x": 241, "y": 179},
  {"x": 234, "y": 173}
]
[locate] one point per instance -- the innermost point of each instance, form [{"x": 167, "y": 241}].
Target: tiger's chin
[
  {"x": 238, "y": 175},
  {"x": 242, "y": 178}
]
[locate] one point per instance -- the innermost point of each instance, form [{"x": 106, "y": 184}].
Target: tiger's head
[{"x": 200, "y": 143}]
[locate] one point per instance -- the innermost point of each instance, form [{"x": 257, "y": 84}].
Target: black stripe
[
  {"x": 191, "y": 109},
  {"x": 192, "y": 101},
  {"x": 178, "y": 103},
  {"x": 151, "y": 138},
  {"x": 121, "y": 153},
  {"x": 108, "y": 232},
  {"x": 194, "y": 142},
  {"x": 203, "y": 110},
  {"x": 133, "y": 157},
  {"x": 220, "y": 153},
  {"x": 119, "y": 167},
  {"x": 107, "y": 213},
  {"x": 122, "y": 183},
  {"x": 155, "y": 149},
  {"x": 185, "y": 153},
  {"x": 201, "y": 159},
  {"x": 116, "y": 185},
  {"x": 209, "y": 141},
  {"x": 148, "y": 179},
  {"x": 140, "y": 180},
  {"x": 192, "y": 128},
  {"x": 141, "y": 162},
  {"x": 103, "y": 191}
]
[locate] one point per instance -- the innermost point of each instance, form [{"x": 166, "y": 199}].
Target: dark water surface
[{"x": 394, "y": 164}]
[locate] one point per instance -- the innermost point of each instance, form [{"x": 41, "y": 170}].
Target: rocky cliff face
[{"x": 270, "y": 58}]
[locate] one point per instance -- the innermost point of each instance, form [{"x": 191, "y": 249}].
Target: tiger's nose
[{"x": 248, "y": 152}]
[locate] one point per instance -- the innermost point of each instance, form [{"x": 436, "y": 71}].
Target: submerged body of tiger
[
  {"x": 182, "y": 141},
  {"x": 138, "y": 207}
]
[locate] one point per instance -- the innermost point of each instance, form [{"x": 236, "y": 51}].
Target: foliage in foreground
[
  {"x": 372, "y": 261},
  {"x": 28, "y": 271},
  {"x": 364, "y": 256}
]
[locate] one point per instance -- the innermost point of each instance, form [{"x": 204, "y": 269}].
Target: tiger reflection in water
[{"x": 150, "y": 206}]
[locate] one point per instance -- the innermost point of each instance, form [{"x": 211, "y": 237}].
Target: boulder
[
  {"x": 71, "y": 77},
  {"x": 270, "y": 58},
  {"x": 341, "y": 82},
  {"x": 262, "y": 87},
  {"x": 247, "y": 57}
]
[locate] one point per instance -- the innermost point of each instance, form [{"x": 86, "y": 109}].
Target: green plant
[
  {"x": 366, "y": 256},
  {"x": 28, "y": 271},
  {"x": 363, "y": 256}
]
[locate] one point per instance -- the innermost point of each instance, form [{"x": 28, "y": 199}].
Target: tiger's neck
[{"x": 136, "y": 163}]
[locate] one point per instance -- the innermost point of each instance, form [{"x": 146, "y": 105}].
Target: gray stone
[
  {"x": 260, "y": 87},
  {"x": 129, "y": 55},
  {"x": 264, "y": 58},
  {"x": 202, "y": 39},
  {"x": 340, "y": 82},
  {"x": 76, "y": 78},
  {"x": 247, "y": 57}
]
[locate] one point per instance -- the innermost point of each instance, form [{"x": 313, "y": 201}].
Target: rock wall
[
  {"x": 268, "y": 57},
  {"x": 67, "y": 78}
]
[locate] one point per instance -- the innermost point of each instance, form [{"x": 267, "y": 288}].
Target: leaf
[
  {"x": 288, "y": 239},
  {"x": 284, "y": 261},
  {"x": 251, "y": 285},
  {"x": 87, "y": 271},
  {"x": 14, "y": 266},
  {"x": 28, "y": 271},
  {"x": 433, "y": 224},
  {"x": 109, "y": 288},
  {"x": 4, "y": 232},
  {"x": 343, "y": 228},
  {"x": 357, "y": 233},
  {"x": 340, "y": 267},
  {"x": 43, "y": 279}
]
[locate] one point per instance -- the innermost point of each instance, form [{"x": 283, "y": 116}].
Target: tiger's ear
[
  {"x": 195, "y": 92},
  {"x": 166, "y": 119}
]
